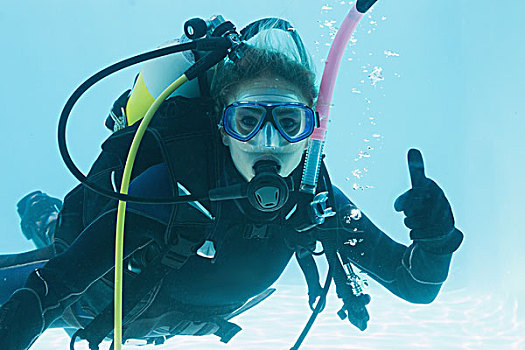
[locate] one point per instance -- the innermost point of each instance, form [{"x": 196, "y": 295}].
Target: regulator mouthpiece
[{"x": 267, "y": 191}]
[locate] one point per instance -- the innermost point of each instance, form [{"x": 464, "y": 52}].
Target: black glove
[
  {"x": 428, "y": 213},
  {"x": 21, "y": 320},
  {"x": 39, "y": 213}
]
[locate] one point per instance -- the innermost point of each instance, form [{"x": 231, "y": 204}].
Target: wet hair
[{"x": 269, "y": 56}]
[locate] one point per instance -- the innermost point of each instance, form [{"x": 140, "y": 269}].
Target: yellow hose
[{"x": 121, "y": 214}]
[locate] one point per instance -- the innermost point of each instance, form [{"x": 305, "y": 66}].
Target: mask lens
[
  {"x": 294, "y": 121},
  {"x": 243, "y": 121}
]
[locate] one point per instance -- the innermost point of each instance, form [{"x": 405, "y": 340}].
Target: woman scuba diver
[{"x": 191, "y": 267}]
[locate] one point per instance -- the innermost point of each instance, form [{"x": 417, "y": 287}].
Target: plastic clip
[{"x": 320, "y": 211}]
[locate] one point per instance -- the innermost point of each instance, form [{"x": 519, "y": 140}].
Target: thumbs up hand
[{"x": 427, "y": 210}]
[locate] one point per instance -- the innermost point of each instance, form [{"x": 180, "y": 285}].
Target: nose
[{"x": 268, "y": 136}]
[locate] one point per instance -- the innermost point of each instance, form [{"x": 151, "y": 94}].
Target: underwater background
[{"x": 445, "y": 77}]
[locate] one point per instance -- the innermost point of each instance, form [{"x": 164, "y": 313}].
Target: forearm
[
  {"x": 421, "y": 275},
  {"x": 411, "y": 273},
  {"x": 428, "y": 266}
]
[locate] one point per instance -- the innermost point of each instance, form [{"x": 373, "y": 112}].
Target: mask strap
[{"x": 254, "y": 28}]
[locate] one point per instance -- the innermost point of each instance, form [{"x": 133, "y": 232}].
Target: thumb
[{"x": 416, "y": 168}]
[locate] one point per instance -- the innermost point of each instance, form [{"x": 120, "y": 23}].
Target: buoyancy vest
[
  {"x": 182, "y": 131},
  {"x": 183, "y": 135}
]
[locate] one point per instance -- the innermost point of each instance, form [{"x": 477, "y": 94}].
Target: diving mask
[
  {"x": 267, "y": 121},
  {"x": 244, "y": 119}
]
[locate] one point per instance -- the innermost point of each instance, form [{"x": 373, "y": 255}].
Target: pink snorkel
[{"x": 316, "y": 145}]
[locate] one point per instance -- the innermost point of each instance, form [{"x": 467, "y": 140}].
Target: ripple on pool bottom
[{"x": 456, "y": 320}]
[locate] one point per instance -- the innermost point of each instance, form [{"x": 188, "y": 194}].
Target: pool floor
[{"x": 456, "y": 320}]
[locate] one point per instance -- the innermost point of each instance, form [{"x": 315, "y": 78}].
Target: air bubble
[
  {"x": 389, "y": 53},
  {"x": 376, "y": 75}
]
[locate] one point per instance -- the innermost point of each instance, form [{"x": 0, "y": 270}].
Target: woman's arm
[
  {"x": 412, "y": 273},
  {"x": 62, "y": 280},
  {"x": 52, "y": 288}
]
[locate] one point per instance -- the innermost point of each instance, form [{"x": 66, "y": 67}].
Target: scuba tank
[{"x": 156, "y": 75}]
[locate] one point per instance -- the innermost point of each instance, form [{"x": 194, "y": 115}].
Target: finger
[
  {"x": 416, "y": 168},
  {"x": 417, "y": 222},
  {"x": 416, "y": 205},
  {"x": 400, "y": 203},
  {"x": 412, "y": 201}
]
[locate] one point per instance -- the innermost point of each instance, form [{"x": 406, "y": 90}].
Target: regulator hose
[
  {"x": 317, "y": 310},
  {"x": 121, "y": 213},
  {"x": 207, "y": 44},
  {"x": 219, "y": 49}
]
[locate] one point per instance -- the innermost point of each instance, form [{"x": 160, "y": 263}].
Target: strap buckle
[
  {"x": 320, "y": 209},
  {"x": 178, "y": 253}
]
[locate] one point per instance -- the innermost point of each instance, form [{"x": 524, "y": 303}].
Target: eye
[
  {"x": 248, "y": 121},
  {"x": 288, "y": 123},
  {"x": 289, "y": 118}
]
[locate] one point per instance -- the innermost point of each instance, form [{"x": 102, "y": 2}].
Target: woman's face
[{"x": 268, "y": 143}]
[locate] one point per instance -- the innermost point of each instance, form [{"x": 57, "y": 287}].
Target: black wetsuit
[
  {"x": 252, "y": 252},
  {"x": 243, "y": 266}
]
